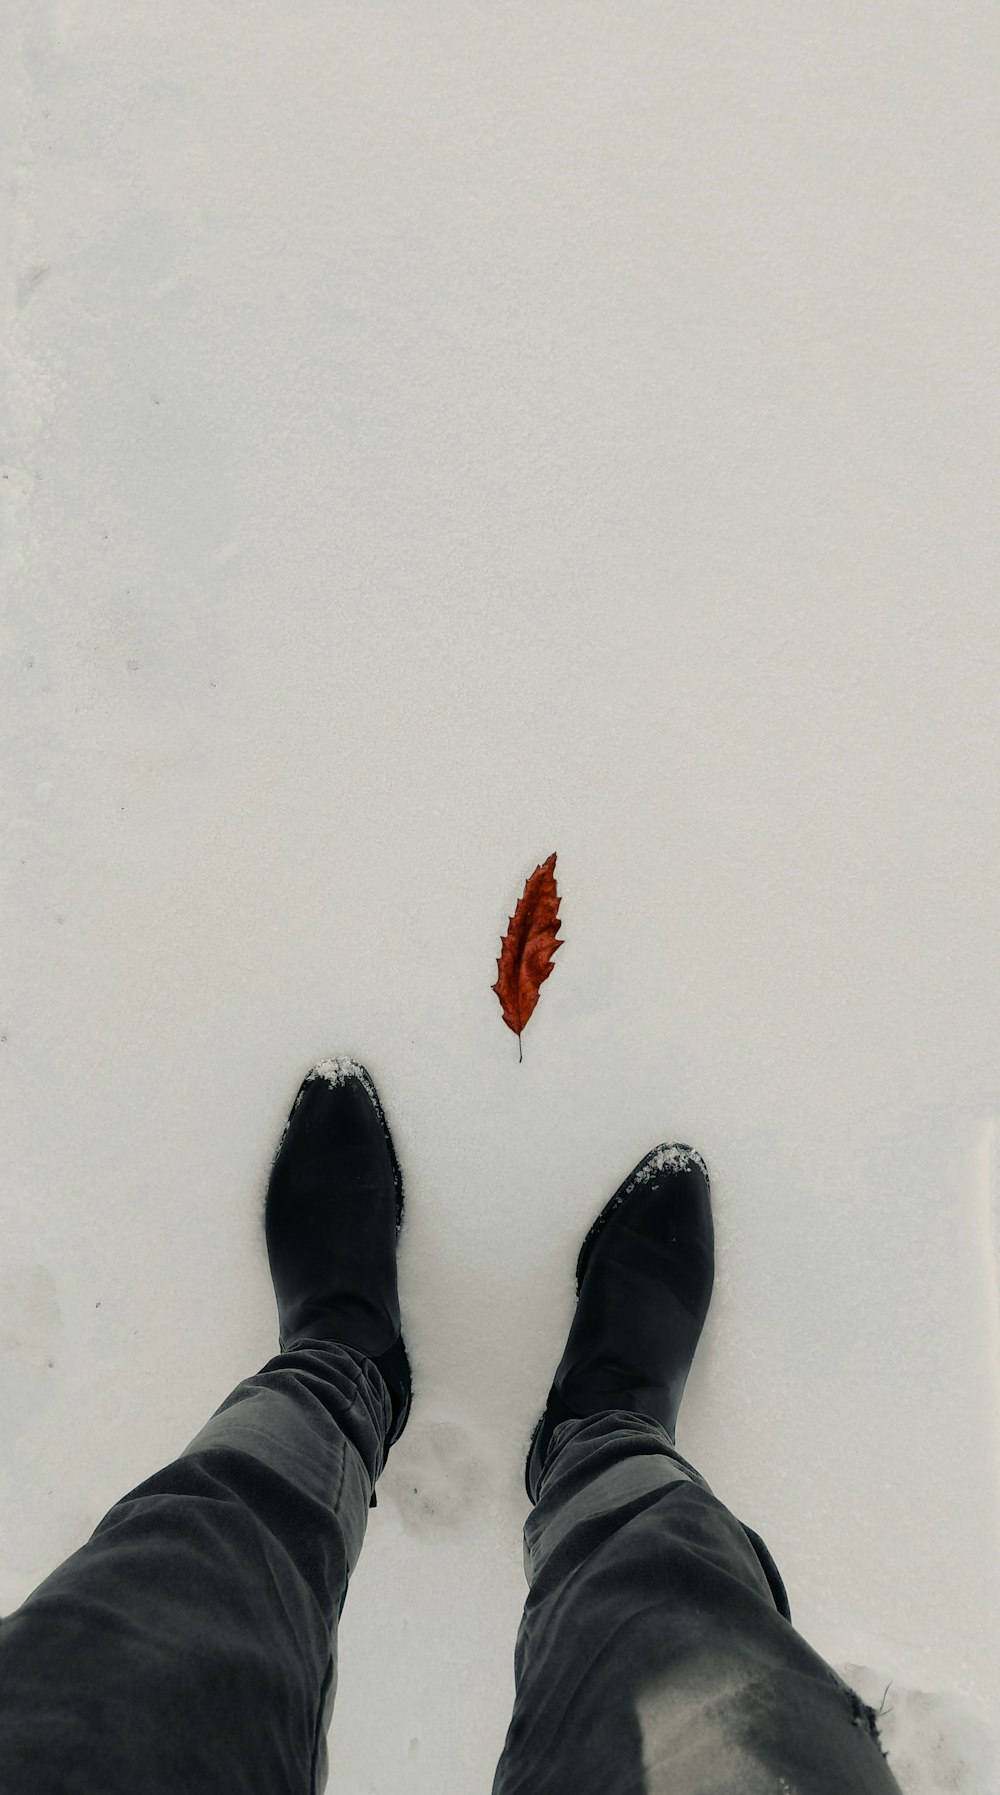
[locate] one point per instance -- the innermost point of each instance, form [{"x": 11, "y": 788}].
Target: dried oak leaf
[{"x": 527, "y": 948}]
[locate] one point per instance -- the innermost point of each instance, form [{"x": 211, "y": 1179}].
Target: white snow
[
  {"x": 337, "y": 1071},
  {"x": 669, "y": 1155},
  {"x": 437, "y": 436}
]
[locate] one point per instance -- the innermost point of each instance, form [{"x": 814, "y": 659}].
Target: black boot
[
  {"x": 332, "y": 1217},
  {"x": 644, "y": 1283}
]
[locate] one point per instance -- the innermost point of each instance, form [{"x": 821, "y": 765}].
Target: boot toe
[
  {"x": 336, "y": 1133},
  {"x": 668, "y": 1194}
]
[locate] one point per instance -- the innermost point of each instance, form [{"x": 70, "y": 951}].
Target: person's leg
[
  {"x": 191, "y": 1643},
  {"x": 656, "y": 1654}
]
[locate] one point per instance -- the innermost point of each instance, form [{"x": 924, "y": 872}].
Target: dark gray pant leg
[
  {"x": 191, "y": 1643},
  {"x": 656, "y": 1655}
]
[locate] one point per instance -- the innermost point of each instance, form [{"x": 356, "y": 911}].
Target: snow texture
[
  {"x": 436, "y": 436},
  {"x": 338, "y": 1071},
  {"x": 674, "y": 1157}
]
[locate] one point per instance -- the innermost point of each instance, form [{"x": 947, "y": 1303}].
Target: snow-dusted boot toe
[
  {"x": 644, "y": 1282},
  {"x": 332, "y": 1216}
]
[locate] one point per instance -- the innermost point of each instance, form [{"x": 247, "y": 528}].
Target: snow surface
[{"x": 439, "y": 435}]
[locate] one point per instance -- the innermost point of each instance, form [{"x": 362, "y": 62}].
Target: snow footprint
[{"x": 439, "y": 1483}]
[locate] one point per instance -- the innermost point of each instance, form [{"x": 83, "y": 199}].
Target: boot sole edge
[{"x": 364, "y": 1078}]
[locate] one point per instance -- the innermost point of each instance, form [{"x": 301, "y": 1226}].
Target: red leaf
[{"x": 527, "y": 948}]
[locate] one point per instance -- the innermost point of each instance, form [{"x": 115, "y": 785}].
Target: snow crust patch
[
  {"x": 936, "y": 1742},
  {"x": 338, "y": 1070},
  {"x": 672, "y": 1158}
]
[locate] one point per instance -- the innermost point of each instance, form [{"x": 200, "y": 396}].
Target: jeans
[{"x": 191, "y": 1642}]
